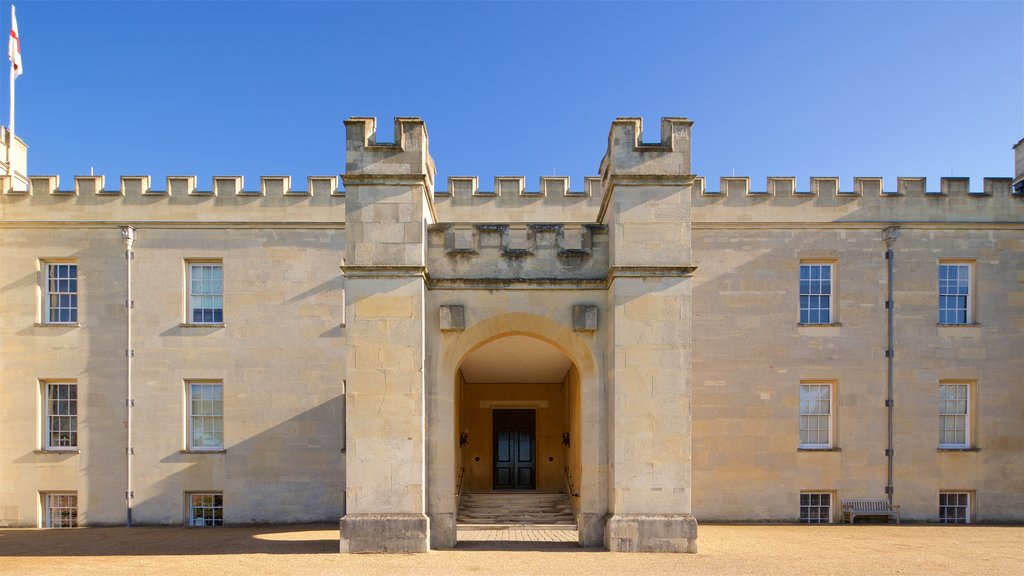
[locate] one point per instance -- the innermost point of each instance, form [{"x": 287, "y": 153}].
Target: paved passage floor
[
  {"x": 519, "y": 534},
  {"x": 312, "y": 549}
]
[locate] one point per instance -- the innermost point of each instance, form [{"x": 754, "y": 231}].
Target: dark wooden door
[{"x": 514, "y": 450}]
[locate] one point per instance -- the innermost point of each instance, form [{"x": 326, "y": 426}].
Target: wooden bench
[{"x": 854, "y": 508}]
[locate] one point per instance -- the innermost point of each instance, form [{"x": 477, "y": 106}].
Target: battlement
[
  {"x": 135, "y": 199},
  {"x": 223, "y": 186},
  {"x": 629, "y": 157},
  {"x": 862, "y": 186},
  {"x": 368, "y": 161},
  {"x": 511, "y": 201},
  {"x": 781, "y": 201}
]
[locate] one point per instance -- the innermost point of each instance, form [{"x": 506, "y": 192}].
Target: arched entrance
[
  {"x": 517, "y": 414},
  {"x": 489, "y": 366}
]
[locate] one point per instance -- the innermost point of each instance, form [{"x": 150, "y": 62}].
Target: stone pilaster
[
  {"x": 387, "y": 208},
  {"x": 647, "y": 210}
]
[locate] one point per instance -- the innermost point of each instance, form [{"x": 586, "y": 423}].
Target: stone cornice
[{"x": 387, "y": 271}]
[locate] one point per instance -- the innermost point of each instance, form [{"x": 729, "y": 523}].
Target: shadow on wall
[{"x": 290, "y": 473}]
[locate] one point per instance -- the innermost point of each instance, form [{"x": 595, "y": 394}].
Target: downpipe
[
  {"x": 128, "y": 236},
  {"x": 889, "y": 235}
]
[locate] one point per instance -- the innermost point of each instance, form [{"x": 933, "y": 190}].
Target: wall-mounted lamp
[
  {"x": 565, "y": 438},
  {"x": 463, "y": 439}
]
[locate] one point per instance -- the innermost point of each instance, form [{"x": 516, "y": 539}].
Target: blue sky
[{"x": 775, "y": 88}]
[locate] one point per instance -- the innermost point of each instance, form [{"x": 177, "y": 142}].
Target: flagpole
[{"x": 10, "y": 129}]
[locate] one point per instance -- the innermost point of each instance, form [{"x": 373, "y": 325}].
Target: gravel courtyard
[{"x": 312, "y": 549}]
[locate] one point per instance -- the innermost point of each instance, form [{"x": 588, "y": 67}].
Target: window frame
[
  {"x": 190, "y": 416},
  {"x": 967, "y": 415},
  {"x": 830, "y": 507},
  {"x": 49, "y": 508},
  {"x": 191, "y": 264},
  {"x": 191, "y": 507},
  {"x": 832, "y": 309},
  {"x": 831, "y": 419},
  {"x": 969, "y": 307},
  {"x": 968, "y": 507},
  {"x": 47, "y": 431},
  {"x": 45, "y": 309}
]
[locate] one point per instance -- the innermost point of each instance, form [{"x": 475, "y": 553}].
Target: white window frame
[
  {"x": 807, "y": 289},
  {"x": 204, "y": 293},
  {"x": 208, "y": 416},
  {"x": 812, "y": 413},
  {"x": 953, "y": 410},
  {"x": 54, "y": 503},
  {"x": 963, "y": 501},
  {"x": 60, "y": 290},
  {"x": 949, "y": 293},
  {"x": 806, "y": 504},
  {"x": 67, "y": 422},
  {"x": 209, "y": 505}
]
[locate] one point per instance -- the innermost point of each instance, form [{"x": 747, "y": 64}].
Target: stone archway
[{"x": 570, "y": 401}]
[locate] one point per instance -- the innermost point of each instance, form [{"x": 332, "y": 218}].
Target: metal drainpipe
[
  {"x": 128, "y": 235},
  {"x": 890, "y": 235}
]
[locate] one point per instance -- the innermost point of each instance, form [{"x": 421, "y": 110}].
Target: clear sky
[{"x": 507, "y": 88}]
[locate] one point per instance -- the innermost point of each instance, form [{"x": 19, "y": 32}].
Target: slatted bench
[{"x": 854, "y": 508}]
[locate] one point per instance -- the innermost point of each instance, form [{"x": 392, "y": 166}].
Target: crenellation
[
  {"x": 554, "y": 185},
  {"x": 781, "y": 185},
  {"x": 993, "y": 186},
  {"x": 45, "y": 185},
  {"x": 951, "y": 185},
  {"x": 629, "y": 157},
  {"x": 136, "y": 186},
  {"x": 917, "y": 185},
  {"x": 89, "y": 185},
  {"x": 510, "y": 185},
  {"x": 370, "y": 161},
  {"x": 228, "y": 186},
  {"x": 736, "y": 185},
  {"x": 277, "y": 185},
  {"x": 868, "y": 186},
  {"x": 461, "y": 186},
  {"x": 323, "y": 186},
  {"x": 181, "y": 185},
  {"x": 824, "y": 185}
]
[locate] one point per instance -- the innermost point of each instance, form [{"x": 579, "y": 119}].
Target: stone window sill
[
  {"x": 189, "y": 325},
  {"x": 832, "y": 325},
  {"x": 221, "y": 451},
  {"x": 968, "y": 325},
  {"x": 57, "y": 325},
  {"x": 957, "y": 449},
  {"x": 833, "y": 449},
  {"x": 58, "y": 451}
]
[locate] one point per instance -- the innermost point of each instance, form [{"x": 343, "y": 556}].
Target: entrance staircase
[{"x": 499, "y": 509}]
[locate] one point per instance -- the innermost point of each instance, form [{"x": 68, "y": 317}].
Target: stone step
[{"x": 500, "y": 509}]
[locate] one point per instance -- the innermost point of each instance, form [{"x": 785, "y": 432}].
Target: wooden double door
[{"x": 515, "y": 449}]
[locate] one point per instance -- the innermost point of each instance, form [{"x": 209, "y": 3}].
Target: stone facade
[{"x": 350, "y": 347}]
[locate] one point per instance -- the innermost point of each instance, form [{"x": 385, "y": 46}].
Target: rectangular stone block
[
  {"x": 181, "y": 185},
  {"x": 867, "y": 186},
  {"x": 453, "y": 317},
  {"x": 89, "y": 185},
  {"x": 384, "y": 533},
  {"x": 275, "y": 185},
  {"x": 322, "y": 185},
  {"x": 651, "y": 533},
  {"x": 994, "y": 186},
  {"x": 462, "y": 185},
  {"x": 824, "y": 185},
  {"x": 135, "y": 185},
  {"x": 584, "y": 318},
  {"x": 911, "y": 185},
  {"x": 735, "y": 185},
  {"x": 227, "y": 185},
  {"x": 781, "y": 185},
  {"x": 951, "y": 185}
]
